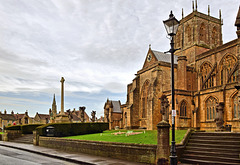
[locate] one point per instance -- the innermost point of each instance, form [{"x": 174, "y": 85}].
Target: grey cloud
[{"x": 95, "y": 45}]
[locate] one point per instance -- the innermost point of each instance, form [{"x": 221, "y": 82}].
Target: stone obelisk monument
[{"x": 62, "y": 117}]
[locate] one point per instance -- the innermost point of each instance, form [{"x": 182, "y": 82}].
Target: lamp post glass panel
[{"x": 171, "y": 26}]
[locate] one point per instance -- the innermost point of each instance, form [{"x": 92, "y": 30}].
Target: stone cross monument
[
  {"x": 62, "y": 117},
  {"x": 62, "y": 95}
]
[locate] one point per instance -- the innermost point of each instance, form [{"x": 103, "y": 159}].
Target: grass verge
[{"x": 128, "y": 136}]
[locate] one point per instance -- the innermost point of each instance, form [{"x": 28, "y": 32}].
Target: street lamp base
[{"x": 173, "y": 160}]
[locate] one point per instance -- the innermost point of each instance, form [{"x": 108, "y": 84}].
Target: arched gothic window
[
  {"x": 214, "y": 36},
  {"x": 236, "y": 107},
  {"x": 211, "y": 108},
  {"x": 226, "y": 67},
  {"x": 205, "y": 70},
  {"x": 183, "y": 109},
  {"x": 189, "y": 34},
  {"x": 144, "y": 99},
  {"x": 178, "y": 39},
  {"x": 202, "y": 32}
]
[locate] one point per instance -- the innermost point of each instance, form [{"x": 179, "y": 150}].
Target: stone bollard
[
  {"x": 163, "y": 149},
  {"x": 219, "y": 117}
]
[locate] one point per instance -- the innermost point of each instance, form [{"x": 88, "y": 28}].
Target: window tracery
[
  {"x": 214, "y": 36},
  {"x": 226, "y": 68},
  {"x": 205, "y": 70},
  {"x": 144, "y": 98},
  {"x": 189, "y": 34},
  {"x": 178, "y": 39},
  {"x": 211, "y": 108},
  {"x": 183, "y": 109},
  {"x": 202, "y": 32},
  {"x": 236, "y": 107}
]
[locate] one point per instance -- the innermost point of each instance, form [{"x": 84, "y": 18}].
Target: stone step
[
  {"x": 211, "y": 158},
  {"x": 20, "y": 141},
  {"x": 204, "y": 162},
  {"x": 28, "y": 138},
  {"x": 222, "y": 138},
  {"x": 212, "y": 149},
  {"x": 226, "y": 142},
  {"x": 216, "y": 134},
  {"x": 213, "y": 153},
  {"x": 220, "y": 146}
]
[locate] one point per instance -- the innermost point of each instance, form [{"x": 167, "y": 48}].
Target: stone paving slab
[{"x": 79, "y": 158}]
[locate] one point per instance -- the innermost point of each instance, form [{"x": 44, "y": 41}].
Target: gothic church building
[{"x": 207, "y": 72}]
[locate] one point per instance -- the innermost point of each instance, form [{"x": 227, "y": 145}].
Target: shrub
[
  {"x": 70, "y": 129},
  {"x": 28, "y": 129}
]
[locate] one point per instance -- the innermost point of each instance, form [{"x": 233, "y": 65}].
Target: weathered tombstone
[
  {"x": 164, "y": 108},
  {"x": 219, "y": 117},
  {"x": 93, "y": 114}
]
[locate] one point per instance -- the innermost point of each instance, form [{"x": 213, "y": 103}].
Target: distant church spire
[
  {"x": 54, "y": 101},
  {"x": 54, "y": 106}
]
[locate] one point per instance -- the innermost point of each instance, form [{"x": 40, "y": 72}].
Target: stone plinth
[
  {"x": 163, "y": 149},
  {"x": 62, "y": 119}
]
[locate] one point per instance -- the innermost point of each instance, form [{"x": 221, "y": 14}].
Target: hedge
[
  {"x": 71, "y": 129},
  {"x": 26, "y": 129},
  {"x": 14, "y": 127}
]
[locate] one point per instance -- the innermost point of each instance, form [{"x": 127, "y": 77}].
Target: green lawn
[{"x": 146, "y": 137}]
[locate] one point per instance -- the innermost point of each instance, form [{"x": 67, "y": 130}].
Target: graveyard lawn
[{"x": 128, "y": 136}]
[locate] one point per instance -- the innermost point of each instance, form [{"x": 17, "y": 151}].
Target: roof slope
[
  {"x": 237, "y": 23},
  {"x": 116, "y": 106},
  {"x": 7, "y": 117},
  {"x": 164, "y": 57}
]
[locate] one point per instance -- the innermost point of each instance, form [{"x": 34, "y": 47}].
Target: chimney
[
  {"x": 26, "y": 113},
  {"x": 5, "y": 112},
  {"x": 12, "y": 112}
]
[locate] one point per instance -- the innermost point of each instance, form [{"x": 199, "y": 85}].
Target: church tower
[
  {"x": 198, "y": 33},
  {"x": 54, "y": 107}
]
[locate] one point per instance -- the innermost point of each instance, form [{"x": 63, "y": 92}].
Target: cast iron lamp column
[{"x": 171, "y": 26}]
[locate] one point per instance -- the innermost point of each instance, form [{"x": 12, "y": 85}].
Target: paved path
[
  {"x": 11, "y": 156},
  {"x": 78, "y": 158}
]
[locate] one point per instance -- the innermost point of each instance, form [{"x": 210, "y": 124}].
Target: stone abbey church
[{"x": 207, "y": 73}]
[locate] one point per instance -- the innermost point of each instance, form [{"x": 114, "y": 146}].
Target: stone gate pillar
[{"x": 163, "y": 149}]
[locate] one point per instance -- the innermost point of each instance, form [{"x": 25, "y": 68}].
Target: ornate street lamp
[{"x": 171, "y": 26}]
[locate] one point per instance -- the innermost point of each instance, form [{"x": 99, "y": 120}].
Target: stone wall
[
  {"x": 130, "y": 152},
  {"x": 11, "y": 134}
]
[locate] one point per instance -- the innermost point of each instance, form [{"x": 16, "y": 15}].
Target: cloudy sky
[{"x": 96, "y": 45}]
